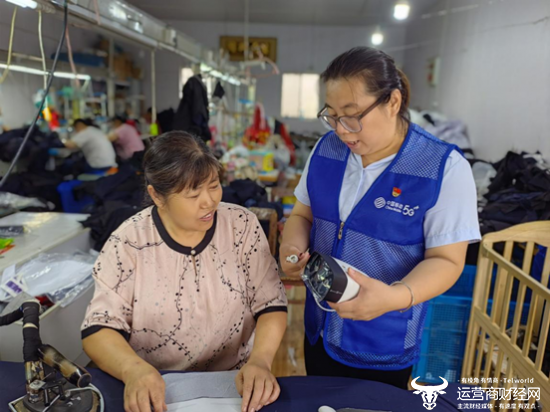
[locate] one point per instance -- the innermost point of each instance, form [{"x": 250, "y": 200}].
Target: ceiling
[{"x": 317, "y": 12}]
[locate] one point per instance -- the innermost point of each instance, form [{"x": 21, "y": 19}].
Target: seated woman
[{"x": 187, "y": 284}]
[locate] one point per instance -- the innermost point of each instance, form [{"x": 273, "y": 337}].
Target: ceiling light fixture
[
  {"x": 377, "y": 38},
  {"x": 29, "y": 70},
  {"x": 401, "y": 10},
  {"x": 24, "y": 3}
]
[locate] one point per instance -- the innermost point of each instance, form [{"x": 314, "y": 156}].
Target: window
[{"x": 300, "y": 97}]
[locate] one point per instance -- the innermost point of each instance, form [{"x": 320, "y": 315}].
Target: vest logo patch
[
  {"x": 396, "y": 192},
  {"x": 406, "y": 210},
  {"x": 380, "y": 203}
]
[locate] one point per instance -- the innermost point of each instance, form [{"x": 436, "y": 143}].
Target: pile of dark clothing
[
  {"x": 41, "y": 185},
  {"x": 107, "y": 218},
  {"x": 248, "y": 193},
  {"x": 116, "y": 198},
  {"x": 35, "y": 151},
  {"x": 519, "y": 193},
  {"x": 125, "y": 186}
]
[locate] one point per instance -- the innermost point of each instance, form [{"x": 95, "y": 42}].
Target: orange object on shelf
[{"x": 259, "y": 132}]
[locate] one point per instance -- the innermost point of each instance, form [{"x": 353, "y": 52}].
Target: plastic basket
[
  {"x": 464, "y": 286},
  {"x": 445, "y": 334}
]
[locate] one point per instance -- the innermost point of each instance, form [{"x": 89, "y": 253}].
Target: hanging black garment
[
  {"x": 219, "y": 91},
  {"x": 192, "y": 114}
]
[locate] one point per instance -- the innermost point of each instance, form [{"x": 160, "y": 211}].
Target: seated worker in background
[
  {"x": 3, "y": 127},
  {"x": 188, "y": 284},
  {"x": 125, "y": 138},
  {"x": 94, "y": 144},
  {"x": 148, "y": 117}
]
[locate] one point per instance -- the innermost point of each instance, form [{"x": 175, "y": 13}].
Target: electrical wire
[
  {"x": 50, "y": 79},
  {"x": 97, "y": 15},
  {"x": 71, "y": 60},
  {"x": 321, "y": 306},
  {"x": 7, "y": 70},
  {"x": 41, "y": 41}
]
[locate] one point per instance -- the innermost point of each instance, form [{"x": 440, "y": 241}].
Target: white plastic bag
[
  {"x": 19, "y": 202},
  {"x": 483, "y": 175},
  {"x": 65, "y": 297},
  {"x": 50, "y": 273}
]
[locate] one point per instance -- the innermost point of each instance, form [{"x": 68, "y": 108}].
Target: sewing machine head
[{"x": 53, "y": 383}]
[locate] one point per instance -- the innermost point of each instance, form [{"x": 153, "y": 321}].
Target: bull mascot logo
[{"x": 429, "y": 393}]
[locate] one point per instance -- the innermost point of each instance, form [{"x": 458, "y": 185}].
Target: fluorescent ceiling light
[
  {"x": 215, "y": 73},
  {"x": 118, "y": 12},
  {"x": 401, "y": 11},
  {"x": 24, "y": 3},
  {"x": 377, "y": 38},
  {"x": 29, "y": 70},
  {"x": 67, "y": 75}
]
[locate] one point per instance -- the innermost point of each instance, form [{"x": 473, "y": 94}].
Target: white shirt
[
  {"x": 451, "y": 220},
  {"x": 96, "y": 147}
]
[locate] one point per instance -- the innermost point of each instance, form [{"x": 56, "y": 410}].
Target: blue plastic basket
[
  {"x": 446, "y": 330},
  {"x": 445, "y": 334},
  {"x": 69, "y": 203},
  {"x": 464, "y": 286}
]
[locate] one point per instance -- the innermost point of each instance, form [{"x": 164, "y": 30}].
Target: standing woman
[{"x": 386, "y": 197}]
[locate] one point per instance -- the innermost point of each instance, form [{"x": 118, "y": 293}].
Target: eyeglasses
[{"x": 351, "y": 123}]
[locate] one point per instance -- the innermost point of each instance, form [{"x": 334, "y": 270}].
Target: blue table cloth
[{"x": 298, "y": 394}]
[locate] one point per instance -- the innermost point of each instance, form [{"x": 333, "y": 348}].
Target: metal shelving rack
[{"x": 117, "y": 19}]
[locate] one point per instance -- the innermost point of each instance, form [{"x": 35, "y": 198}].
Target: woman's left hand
[
  {"x": 375, "y": 298},
  {"x": 257, "y": 385}
]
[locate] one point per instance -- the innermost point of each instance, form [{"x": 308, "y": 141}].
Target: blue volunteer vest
[{"x": 383, "y": 237}]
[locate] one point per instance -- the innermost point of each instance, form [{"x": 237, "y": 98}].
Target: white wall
[
  {"x": 300, "y": 49},
  {"x": 495, "y": 73},
  {"x": 17, "y": 91}
]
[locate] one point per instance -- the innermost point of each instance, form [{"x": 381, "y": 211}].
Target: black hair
[
  {"x": 377, "y": 70},
  {"x": 85, "y": 122},
  {"x": 177, "y": 161}
]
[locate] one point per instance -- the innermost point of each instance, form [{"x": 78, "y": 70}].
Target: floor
[{"x": 289, "y": 360}]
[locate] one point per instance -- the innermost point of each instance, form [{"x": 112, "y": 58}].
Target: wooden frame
[
  {"x": 271, "y": 216},
  {"x": 492, "y": 347},
  {"x": 234, "y": 47}
]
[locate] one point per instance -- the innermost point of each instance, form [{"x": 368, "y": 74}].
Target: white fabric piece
[
  {"x": 182, "y": 387},
  {"x": 483, "y": 174},
  {"x": 451, "y": 131},
  {"x": 207, "y": 405},
  {"x": 453, "y": 218}
]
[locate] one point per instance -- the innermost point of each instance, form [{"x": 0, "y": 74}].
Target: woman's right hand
[
  {"x": 292, "y": 270},
  {"x": 144, "y": 389}
]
